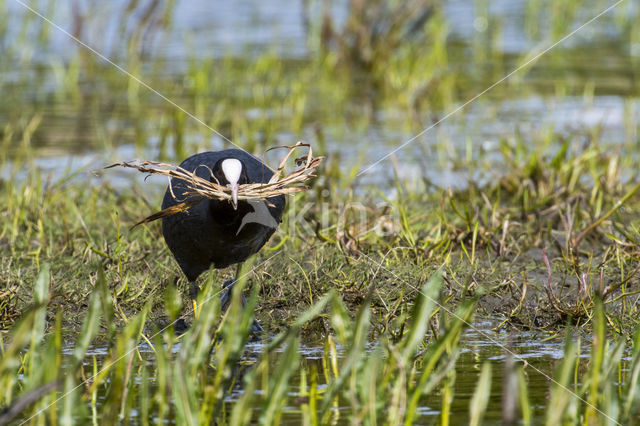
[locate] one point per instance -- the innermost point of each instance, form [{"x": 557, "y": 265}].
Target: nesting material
[{"x": 199, "y": 188}]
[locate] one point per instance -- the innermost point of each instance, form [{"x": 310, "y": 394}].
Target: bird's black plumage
[{"x": 212, "y": 231}]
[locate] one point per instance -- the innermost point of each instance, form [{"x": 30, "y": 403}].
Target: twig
[
  {"x": 198, "y": 188},
  {"x": 547, "y": 288},
  {"x": 605, "y": 216}
]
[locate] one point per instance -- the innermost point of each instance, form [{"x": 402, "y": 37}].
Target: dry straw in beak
[{"x": 198, "y": 188}]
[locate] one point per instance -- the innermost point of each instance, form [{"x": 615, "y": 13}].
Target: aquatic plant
[{"x": 540, "y": 232}]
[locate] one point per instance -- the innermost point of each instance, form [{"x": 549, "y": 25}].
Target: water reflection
[{"x": 479, "y": 343}]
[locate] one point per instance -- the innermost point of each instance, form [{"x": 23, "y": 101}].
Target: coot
[{"x": 220, "y": 232}]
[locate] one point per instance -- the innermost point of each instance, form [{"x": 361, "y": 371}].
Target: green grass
[
  {"x": 385, "y": 284},
  {"x": 539, "y": 248}
]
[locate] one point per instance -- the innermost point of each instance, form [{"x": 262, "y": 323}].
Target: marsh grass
[
  {"x": 193, "y": 373},
  {"x": 64, "y": 270},
  {"x": 198, "y": 188},
  {"x": 549, "y": 242},
  {"x": 187, "y": 378}
]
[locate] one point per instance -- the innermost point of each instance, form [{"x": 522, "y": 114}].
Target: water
[
  {"x": 82, "y": 131},
  {"x": 478, "y": 344},
  {"x": 202, "y": 29}
]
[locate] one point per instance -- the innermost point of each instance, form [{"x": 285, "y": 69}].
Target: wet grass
[
  {"x": 559, "y": 226},
  {"x": 550, "y": 244},
  {"x": 384, "y": 280}
]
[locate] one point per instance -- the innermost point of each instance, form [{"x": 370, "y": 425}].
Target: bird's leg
[
  {"x": 193, "y": 294},
  {"x": 227, "y": 287},
  {"x": 225, "y": 300},
  {"x": 225, "y": 297}
]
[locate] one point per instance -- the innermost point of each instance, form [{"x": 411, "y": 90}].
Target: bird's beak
[{"x": 234, "y": 196}]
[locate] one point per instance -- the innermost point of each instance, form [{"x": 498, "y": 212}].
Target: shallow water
[
  {"x": 478, "y": 344},
  {"x": 69, "y": 140}
]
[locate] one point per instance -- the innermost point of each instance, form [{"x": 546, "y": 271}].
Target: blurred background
[{"x": 354, "y": 78}]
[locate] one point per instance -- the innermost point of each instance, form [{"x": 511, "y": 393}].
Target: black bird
[{"x": 219, "y": 232}]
